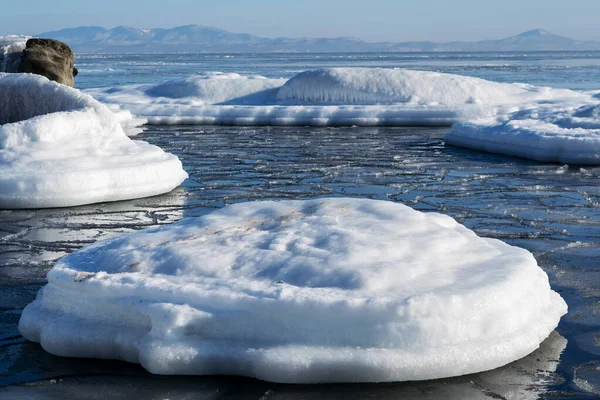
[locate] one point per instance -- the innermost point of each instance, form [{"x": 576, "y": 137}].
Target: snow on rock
[
  {"x": 59, "y": 147},
  {"x": 11, "y": 50},
  {"x": 325, "y": 290},
  {"x": 338, "y": 96},
  {"x": 549, "y": 133}
]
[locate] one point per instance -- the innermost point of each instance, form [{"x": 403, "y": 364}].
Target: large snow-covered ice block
[
  {"x": 324, "y": 290},
  {"x": 59, "y": 147},
  {"x": 329, "y": 97},
  {"x": 557, "y": 133}
]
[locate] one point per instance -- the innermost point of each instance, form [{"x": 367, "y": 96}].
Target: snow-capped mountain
[{"x": 195, "y": 38}]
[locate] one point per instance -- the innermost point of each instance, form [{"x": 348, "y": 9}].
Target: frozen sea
[{"x": 552, "y": 210}]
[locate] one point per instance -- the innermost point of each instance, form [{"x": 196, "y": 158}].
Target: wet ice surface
[{"x": 549, "y": 209}]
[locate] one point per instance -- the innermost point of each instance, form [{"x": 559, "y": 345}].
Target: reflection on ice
[
  {"x": 526, "y": 379},
  {"x": 31, "y": 240},
  {"x": 587, "y": 377}
]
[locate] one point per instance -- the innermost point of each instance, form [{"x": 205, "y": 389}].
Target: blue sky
[{"x": 371, "y": 20}]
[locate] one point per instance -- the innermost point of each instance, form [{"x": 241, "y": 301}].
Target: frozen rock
[
  {"x": 326, "y": 290},
  {"x": 59, "y": 147},
  {"x": 49, "y": 58}
]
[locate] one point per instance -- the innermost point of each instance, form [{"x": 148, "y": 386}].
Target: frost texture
[
  {"x": 326, "y": 290},
  {"x": 59, "y": 147}
]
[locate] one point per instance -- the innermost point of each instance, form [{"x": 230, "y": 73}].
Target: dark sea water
[{"x": 551, "y": 210}]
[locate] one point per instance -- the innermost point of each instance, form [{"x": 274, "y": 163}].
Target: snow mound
[
  {"x": 59, "y": 147},
  {"x": 549, "y": 133},
  {"x": 215, "y": 87},
  {"x": 325, "y": 97},
  {"x": 389, "y": 86},
  {"x": 11, "y": 50},
  {"x": 326, "y": 290}
]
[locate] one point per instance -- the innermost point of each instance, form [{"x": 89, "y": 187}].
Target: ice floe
[
  {"x": 216, "y": 87},
  {"x": 334, "y": 96},
  {"x": 11, "y": 49},
  {"x": 59, "y": 147},
  {"x": 540, "y": 123},
  {"x": 550, "y": 133},
  {"x": 325, "y": 290}
]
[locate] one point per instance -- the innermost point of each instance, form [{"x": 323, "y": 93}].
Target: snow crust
[
  {"x": 59, "y": 147},
  {"x": 11, "y": 50},
  {"x": 550, "y": 133},
  {"x": 325, "y": 290},
  {"x": 216, "y": 87},
  {"x": 389, "y": 86},
  {"x": 335, "y": 96}
]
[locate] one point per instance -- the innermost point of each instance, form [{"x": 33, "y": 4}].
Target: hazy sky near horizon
[{"x": 372, "y": 20}]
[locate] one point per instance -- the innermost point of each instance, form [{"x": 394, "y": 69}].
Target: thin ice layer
[
  {"x": 59, "y": 148},
  {"x": 551, "y": 133},
  {"x": 326, "y": 290},
  {"x": 325, "y": 97}
]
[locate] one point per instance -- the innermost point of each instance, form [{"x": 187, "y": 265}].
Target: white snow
[
  {"x": 11, "y": 50},
  {"x": 326, "y": 290},
  {"x": 390, "y": 86},
  {"x": 216, "y": 87},
  {"x": 558, "y": 133},
  {"x": 541, "y": 123},
  {"x": 59, "y": 147},
  {"x": 336, "y": 96}
]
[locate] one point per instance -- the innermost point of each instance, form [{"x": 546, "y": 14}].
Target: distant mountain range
[{"x": 195, "y": 38}]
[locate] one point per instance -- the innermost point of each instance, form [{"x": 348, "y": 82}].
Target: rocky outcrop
[{"x": 50, "y": 58}]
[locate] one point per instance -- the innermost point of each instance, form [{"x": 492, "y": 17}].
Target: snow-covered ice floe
[
  {"x": 325, "y": 290},
  {"x": 560, "y": 133},
  {"x": 11, "y": 50},
  {"x": 59, "y": 147},
  {"x": 541, "y": 123},
  {"x": 326, "y": 97}
]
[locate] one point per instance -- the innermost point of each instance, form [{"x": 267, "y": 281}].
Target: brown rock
[{"x": 50, "y": 58}]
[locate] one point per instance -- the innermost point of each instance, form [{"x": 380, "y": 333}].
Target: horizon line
[{"x": 317, "y": 37}]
